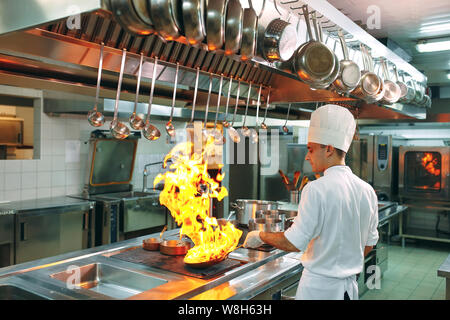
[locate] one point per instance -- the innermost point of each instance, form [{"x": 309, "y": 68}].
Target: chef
[{"x": 337, "y": 219}]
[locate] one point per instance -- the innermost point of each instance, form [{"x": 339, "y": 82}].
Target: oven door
[{"x": 424, "y": 173}]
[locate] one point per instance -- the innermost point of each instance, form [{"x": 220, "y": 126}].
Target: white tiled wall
[{"x": 54, "y": 175}]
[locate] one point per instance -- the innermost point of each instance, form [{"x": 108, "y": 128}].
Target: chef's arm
[
  {"x": 367, "y": 249},
  {"x": 278, "y": 240}
]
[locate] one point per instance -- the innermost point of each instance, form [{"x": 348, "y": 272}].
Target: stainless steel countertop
[
  {"x": 260, "y": 271},
  {"x": 444, "y": 269},
  {"x": 37, "y": 205}
]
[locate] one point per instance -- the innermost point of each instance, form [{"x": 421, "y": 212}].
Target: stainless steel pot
[
  {"x": 193, "y": 20},
  {"x": 266, "y": 225},
  {"x": 246, "y": 208},
  {"x": 215, "y": 24},
  {"x": 249, "y": 31},
  {"x": 271, "y": 215},
  {"x": 280, "y": 39},
  {"x": 132, "y": 15},
  {"x": 166, "y": 18},
  {"x": 369, "y": 83},
  {"x": 233, "y": 27}
]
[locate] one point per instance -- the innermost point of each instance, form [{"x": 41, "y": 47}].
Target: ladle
[
  {"x": 169, "y": 126},
  {"x": 205, "y": 131},
  {"x": 96, "y": 118},
  {"x": 150, "y": 132},
  {"x": 254, "y": 134},
  {"x": 136, "y": 121},
  {"x": 232, "y": 132},
  {"x": 194, "y": 101},
  {"x": 218, "y": 136},
  {"x": 225, "y": 123},
  {"x": 285, "y": 128},
  {"x": 245, "y": 131},
  {"x": 263, "y": 124},
  {"x": 118, "y": 129}
]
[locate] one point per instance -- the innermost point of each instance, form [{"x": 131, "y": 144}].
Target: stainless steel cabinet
[
  {"x": 50, "y": 233},
  {"x": 6, "y": 238}
]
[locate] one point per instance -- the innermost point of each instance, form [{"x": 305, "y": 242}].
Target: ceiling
[{"x": 401, "y": 21}]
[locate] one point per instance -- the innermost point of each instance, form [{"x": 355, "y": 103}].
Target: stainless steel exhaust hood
[{"x": 54, "y": 45}]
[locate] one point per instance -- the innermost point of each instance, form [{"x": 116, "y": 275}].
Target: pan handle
[
  {"x": 235, "y": 206},
  {"x": 250, "y": 2}
]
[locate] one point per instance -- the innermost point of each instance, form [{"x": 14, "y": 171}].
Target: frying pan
[
  {"x": 132, "y": 15},
  {"x": 193, "y": 20},
  {"x": 249, "y": 31},
  {"x": 174, "y": 247},
  {"x": 151, "y": 244},
  {"x": 313, "y": 61},
  {"x": 166, "y": 18},
  {"x": 349, "y": 74},
  {"x": 215, "y": 24},
  {"x": 233, "y": 27},
  {"x": 206, "y": 264}
]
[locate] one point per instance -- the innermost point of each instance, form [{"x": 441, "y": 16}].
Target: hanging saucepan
[
  {"x": 409, "y": 97},
  {"x": 249, "y": 31},
  {"x": 403, "y": 87},
  {"x": 379, "y": 95},
  {"x": 336, "y": 66},
  {"x": 132, "y": 15},
  {"x": 369, "y": 83},
  {"x": 280, "y": 40},
  {"x": 313, "y": 61},
  {"x": 166, "y": 18},
  {"x": 233, "y": 27},
  {"x": 349, "y": 73},
  {"x": 391, "y": 89},
  {"x": 215, "y": 23},
  {"x": 418, "y": 92},
  {"x": 193, "y": 20}
]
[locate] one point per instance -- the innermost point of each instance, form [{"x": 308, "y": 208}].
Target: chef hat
[{"x": 332, "y": 125}]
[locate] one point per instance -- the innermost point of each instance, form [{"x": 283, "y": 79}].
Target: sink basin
[
  {"x": 10, "y": 292},
  {"x": 111, "y": 281}
]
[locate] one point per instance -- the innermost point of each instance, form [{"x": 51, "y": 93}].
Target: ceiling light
[
  {"x": 448, "y": 74},
  {"x": 433, "y": 45},
  {"x": 439, "y": 27}
]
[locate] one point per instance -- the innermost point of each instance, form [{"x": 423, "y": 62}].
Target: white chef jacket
[{"x": 338, "y": 217}]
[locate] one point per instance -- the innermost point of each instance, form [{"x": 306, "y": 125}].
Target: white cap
[{"x": 332, "y": 125}]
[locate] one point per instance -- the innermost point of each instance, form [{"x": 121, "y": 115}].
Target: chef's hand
[{"x": 253, "y": 240}]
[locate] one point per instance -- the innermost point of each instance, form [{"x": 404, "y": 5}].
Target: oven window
[{"x": 423, "y": 171}]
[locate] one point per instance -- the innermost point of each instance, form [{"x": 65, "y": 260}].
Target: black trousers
[{"x": 346, "y": 297}]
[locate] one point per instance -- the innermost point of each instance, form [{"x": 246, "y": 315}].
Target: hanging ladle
[
  {"x": 263, "y": 124},
  {"x": 136, "y": 121},
  {"x": 96, "y": 118},
  {"x": 194, "y": 101},
  {"x": 218, "y": 136},
  {"x": 169, "y": 126},
  {"x": 205, "y": 131},
  {"x": 225, "y": 123},
  {"x": 232, "y": 132},
  {"x": 118, "y": 129},
  {"x": 254, "y": 133},
  {"x": 150, "y": 132},
  {"x": 285, "y": 128},
  {"x": 245, "y": 131}
]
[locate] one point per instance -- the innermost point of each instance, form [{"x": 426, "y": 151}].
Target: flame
[
  {"x": 187, "y": 193},
  {"x": 430, "y": 163}
]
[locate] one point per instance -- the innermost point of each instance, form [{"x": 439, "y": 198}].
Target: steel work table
[{"x": 444, "y": 271}]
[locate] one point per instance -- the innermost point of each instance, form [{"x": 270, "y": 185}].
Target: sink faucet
[{"x": 144, "y": 181}]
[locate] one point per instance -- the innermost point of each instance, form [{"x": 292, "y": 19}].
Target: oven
[{"x": 424, "y": 172}]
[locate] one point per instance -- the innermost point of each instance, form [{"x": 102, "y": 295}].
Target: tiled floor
[{"x": 412, "y": 273}]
